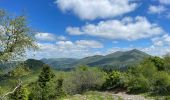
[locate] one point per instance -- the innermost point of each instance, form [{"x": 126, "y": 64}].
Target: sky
[{"x": 81, "y": 28}]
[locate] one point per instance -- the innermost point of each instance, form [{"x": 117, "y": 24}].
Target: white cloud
[
  {"x": 77, "y": 49},
  {"x": 162, "y": 41},
  {"x": 89, "y": 43},
  {"x": 164, "y": 1},
  {"x": 48, "y": 37},
  {"x": 156, "y": 9},
  {"x": 126, "y": 29},
  {"x": 93, "y": 9}
]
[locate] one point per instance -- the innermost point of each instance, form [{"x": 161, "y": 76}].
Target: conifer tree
[{"x": 59, "y": 89}]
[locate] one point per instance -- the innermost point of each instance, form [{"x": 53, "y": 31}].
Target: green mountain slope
[
  {"x": 118, "y": 59},
  {"x": 60, "y": 63}
]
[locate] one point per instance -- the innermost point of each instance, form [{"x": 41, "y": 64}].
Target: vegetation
[
  {"x": 21, "y": 93},
  {"x": 15, "y": 36},
  {"x": 40, "y": 82}
]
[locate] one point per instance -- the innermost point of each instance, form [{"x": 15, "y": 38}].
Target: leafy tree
[
  {"x": 15, "y": 36},
  {"x": 158, "y": 62},
  {"x": 21, "y": 93}
]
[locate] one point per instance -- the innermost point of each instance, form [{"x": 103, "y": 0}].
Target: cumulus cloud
[
  {"x": 48, "y": 37},
  {"x": 156, "y": 9},
  {"x": 93, "y": 9},
  {"x": 77, "y": 49},
  {"x": 127, "y": 29},
  {"x": 165, "y": 1},
  {"x": 162, "y": 41}
]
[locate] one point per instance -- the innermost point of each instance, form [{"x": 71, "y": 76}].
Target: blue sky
[{"x": 80, "y": 28}]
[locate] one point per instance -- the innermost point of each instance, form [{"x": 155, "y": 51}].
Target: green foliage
[
  {"x": 16, "y": 36},
  {"x": 59, "y": 88},
  {"x": 21, "y": 93},
  {"x": 19, "y": 71},
  {"x": 114, "y": 79},
  {"x": 158, "y": 62},
  {"x": 167, "y": 63},
  {"x": 45, "y": 76},
  {"x": 162, "y": 83},
  {"x": 138, "y": 84},
  {"x": 44, "y": 88},
  {"x": 45, "y": 93},
  {"x": 1, "y": 91},
  {"x": 83, "y": 79}
]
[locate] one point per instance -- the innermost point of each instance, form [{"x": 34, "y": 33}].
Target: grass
[
  {"x": 93, "y": 95},
  {"x": 9, "y": 83}
]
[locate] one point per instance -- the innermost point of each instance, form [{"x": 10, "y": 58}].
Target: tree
[
  {"x": 44, "y": 88},
  {"x": 45, "y": 76},
  {"x": 59, "y": 89},
  {"x": 15, "y": 36},
  {"x": 158, "y": 62}
]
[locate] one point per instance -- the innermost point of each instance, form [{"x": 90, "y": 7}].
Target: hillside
[
  {"x": 60, "y": 63},
  {"x": 118, "y": 59}
]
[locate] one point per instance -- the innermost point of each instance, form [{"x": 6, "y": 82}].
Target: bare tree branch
[{"x": 11, "y": 92}]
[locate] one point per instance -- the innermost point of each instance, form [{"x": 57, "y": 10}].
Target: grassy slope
[{"x": 8, "y": 84}]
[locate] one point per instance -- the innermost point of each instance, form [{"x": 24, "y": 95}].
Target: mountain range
[{"x": 117, "y": 59}]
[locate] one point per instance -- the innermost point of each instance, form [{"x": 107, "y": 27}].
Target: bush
[
  {"x": 158, "y": 62},
  {"x": 21, "y": 93},
  {"x": 115, "y": 79},
  {"x": 83, "y": 79},
  {"x": 59, "y": 89},
  {"x": 138, "y": 84},
  {"x": 44, "y": 93},
  {"x": 162, "y": 83}
]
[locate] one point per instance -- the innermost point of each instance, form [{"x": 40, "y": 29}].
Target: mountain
[
  {"x": 116, "y": 59},
  {"x": 33, "y": 64},
  {"x": 60, "y": 63}
]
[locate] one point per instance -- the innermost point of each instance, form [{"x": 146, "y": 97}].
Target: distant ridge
[{"x": 118, "y": 59}]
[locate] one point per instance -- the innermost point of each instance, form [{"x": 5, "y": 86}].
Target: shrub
[
  {"x": 115, "y": 79},
  {"x": 59, "y": 89},
  {"x": 138, "y": 84},
  {"x": 158, "y": 62},
  {"x": 83, "y": 79},
  {"x": 162, "y": 83},
  {"x": 20, "y": 93}
]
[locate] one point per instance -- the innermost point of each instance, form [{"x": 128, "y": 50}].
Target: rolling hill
[{"x": 116, "y": 59}]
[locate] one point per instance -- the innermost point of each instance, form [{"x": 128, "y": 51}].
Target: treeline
[{"x": 150, "y": 76}]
